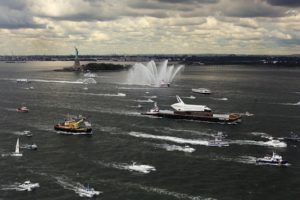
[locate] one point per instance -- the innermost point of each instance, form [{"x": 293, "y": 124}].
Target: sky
[{"x": 42, "y": 27}]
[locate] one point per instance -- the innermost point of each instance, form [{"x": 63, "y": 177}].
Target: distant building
[{"x": 77, "y": 65}]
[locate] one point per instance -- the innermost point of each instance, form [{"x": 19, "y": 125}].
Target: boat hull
[
  {"x": 68, "y": 130},
  {"x": 266, "y": 162},
  {"x": 213, "y": 118}
]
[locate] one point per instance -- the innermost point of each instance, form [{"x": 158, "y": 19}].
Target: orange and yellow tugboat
[{"x": 74, "y": 126}]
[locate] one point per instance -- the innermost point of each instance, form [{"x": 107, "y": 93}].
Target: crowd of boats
[{"x": 79, "y": 125}]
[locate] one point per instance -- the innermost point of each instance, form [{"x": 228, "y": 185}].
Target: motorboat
[
  {"x": 87, "y": 192},
  {"x": 193, "y": 112},
  {"x": 30, "y": 146},
  {"x": 293, "y": 137},
  {"x": 218, "y": 141},
  {"x": 27, "y": 133},
  {"x": 274, "y": 160},
  {"x": 141, "y": 168},
  {"x": 17, "y": 150},
  {"x": 89, "y": 75},
  {"x": 74, "y": 126},
  {"x": 23, "y": 80},
  {"x": 23, "y": 109},
  {"x": 201, "y": 90},
  {"x": 28, "y": 186}
]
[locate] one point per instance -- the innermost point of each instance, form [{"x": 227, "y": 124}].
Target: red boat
[{"x": 23, "y": 109}]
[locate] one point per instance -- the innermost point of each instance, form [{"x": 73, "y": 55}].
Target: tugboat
[
  {"x": 274, "y": 160},
  {"x": 23, "y": 109},
  {"x": 218, "y": 141},
  {"x": 28, "y": 186},
  {"x": 193, "y": 112},
  {"x": 74, "y": 126},
  {"x": 202, "y": 91},
  {"x": 87, "y": 192}
]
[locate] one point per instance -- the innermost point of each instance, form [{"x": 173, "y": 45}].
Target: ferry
[
  {"x": 74, "y": 126},
  {"x": 193, "y": 112},
  {"x": 274, "y": 160}
]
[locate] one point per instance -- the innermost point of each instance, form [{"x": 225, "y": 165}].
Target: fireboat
[
  {"x": 193, "y": 112},
  {"x": 74, "y": 126}
]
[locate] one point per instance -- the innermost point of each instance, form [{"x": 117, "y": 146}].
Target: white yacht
[
  {"x": 274, "y": 160},
  {"x": 28, "y": 186},
  {"x": 30, "y": 146},
  {"x": 201, "y": 90},
  {"x": 17, "y": 150},
  {"x": 87, "y": 192}
]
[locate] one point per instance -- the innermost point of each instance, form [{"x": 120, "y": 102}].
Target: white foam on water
[
  {"x": 106, "y": 95},
  {"x": 129, "y": 167},
  {"x": 26, "y": 132},
  {"x": 190, "y": 97},
  {"x": 169, "y": 138},
  {"x": 262, "y": 134},
  {"x": 14, "y": 186},
  {"x": 220, "y": 99},
  {"x": 176, "y": 195},
  {"x": 144, "y": 101},
  {"x": 291, "y": 104},
  {"x": 270, "y": 143},
  {"x": 186, "y": 131},
  {"x": 150, "y": 97},
  {"x": 168, "y": 147}
]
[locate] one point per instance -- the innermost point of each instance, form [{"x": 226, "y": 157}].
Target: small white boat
[
  {"x": 274, "y": 160},
  {"x": 17, "y": 150},
  {"x": 87, "y": 192},
  {"x": 30, "y": 146},
  {"x": 23, "y": 109},
  {"x": 23, "y": 80},
  {"x": 28, "y": 186},
  {"x": 218, "y": 141},
  {"x": 141, "y": 168},
  {"x": 85, "y": 88},
  {"x": 89, "y": 75},
  {"x": 202, "y": 90}
]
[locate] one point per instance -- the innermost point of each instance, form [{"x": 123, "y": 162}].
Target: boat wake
[
  {"x": 270, "y": 143},
  {"x": 106, "y": 95},
  {"x": 144, "y": 101},
  {"x": 291, "y": 104},
  {"x": 169, "y": 138},
  {"x": 173, "y": 147},
  {"x": 220, "y": 99},
  {"x": 79, "y": 81},
  {"x": 190, "y": 97},
  {"x": 14, "y": 186},
  {"x": 67, "y": 184},
  {"x": 145, "y": 169}
]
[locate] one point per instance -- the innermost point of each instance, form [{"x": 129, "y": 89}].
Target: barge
[{"x": 193, "y": 112}]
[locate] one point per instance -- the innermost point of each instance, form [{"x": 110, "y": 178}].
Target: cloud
[
  {"x": 14, "y": 15},
  {"x": 287, "y": 3}
]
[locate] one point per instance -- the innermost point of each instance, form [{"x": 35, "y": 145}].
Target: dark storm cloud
[
  {"x": 14, "y": 15},
  {"x": 189, "y": 1},
  {"x": 287, "y": 3}
]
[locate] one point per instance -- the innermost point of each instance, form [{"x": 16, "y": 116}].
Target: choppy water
[{"x": 185, "y": 167}]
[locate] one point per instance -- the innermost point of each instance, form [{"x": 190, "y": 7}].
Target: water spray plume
[{"x": 152, "y": 75}]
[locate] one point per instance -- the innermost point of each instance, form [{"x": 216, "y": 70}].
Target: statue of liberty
[{"x": 76, "y": 61}]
